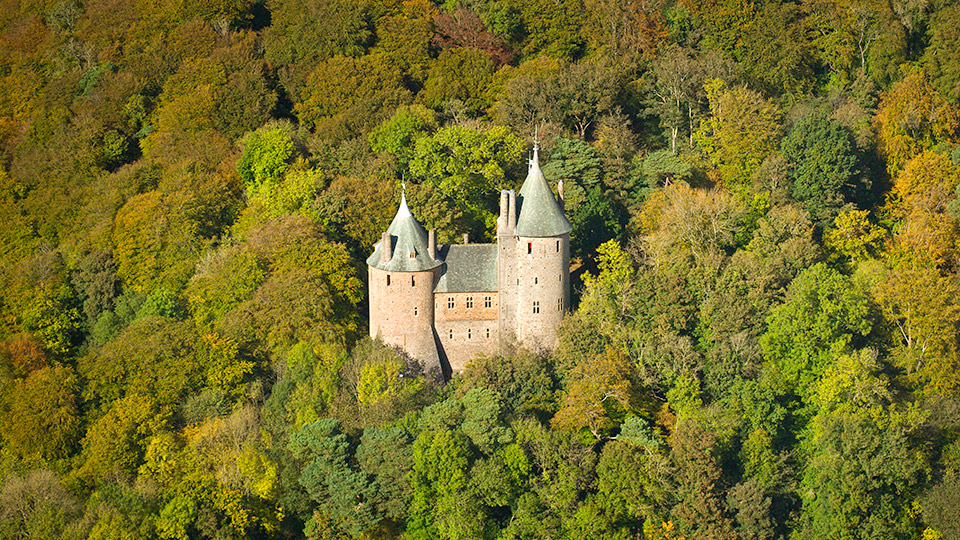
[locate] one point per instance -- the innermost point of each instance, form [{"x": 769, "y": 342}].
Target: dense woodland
[{"x": 766, "y": 241}]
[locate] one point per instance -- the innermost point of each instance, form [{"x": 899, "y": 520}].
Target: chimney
[
  {"x": 386, "y": 248},
  {"x": 560, "y": 192},
  {"x": 432, "y": 243},
  {"x": 466, "y": 238},
  {"x": 512, "y": 212}
]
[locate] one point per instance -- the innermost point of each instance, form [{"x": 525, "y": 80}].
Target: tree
[
  {"x": 42, "y": 414},
  {"x": 36, "y": 505},
  {"x": 347, "y": 96},
  {"x": 741, "y": 131},
  {"x": 823, "y": 315},
  {"x": 822, "y": 166},
  {"x": 469, "y": 166},
  {"x": 940, "y": 60},
  {"x": 632, "y": 29},
  {"x": 302, "y": 35},
  {"x": 853, "y": 237},
  {"x": 922, "y": 306},
  {"x": 462, "y": 74},
  {"x": 267, "y": 153},
  {"x": 397, "y": 136},
  {"x": 913, "y": 117},
  {"x": 863, "y": 456},
  {"x": 599, "y": 394}
]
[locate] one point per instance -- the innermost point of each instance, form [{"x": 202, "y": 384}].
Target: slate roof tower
[{"x": 402, "y": 272}]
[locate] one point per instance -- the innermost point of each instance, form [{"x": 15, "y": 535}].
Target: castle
[{"x": 444, "y": 305}]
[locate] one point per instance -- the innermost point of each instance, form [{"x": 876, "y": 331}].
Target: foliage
[{"x": 762, "y": 341}]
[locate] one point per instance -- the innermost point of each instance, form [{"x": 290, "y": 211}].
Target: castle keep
[{"x": 446, "y": 304}]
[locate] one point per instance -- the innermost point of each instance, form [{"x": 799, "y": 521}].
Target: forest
[{"x": 766, "y": 252}]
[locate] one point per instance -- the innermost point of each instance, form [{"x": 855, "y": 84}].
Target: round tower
[
  {"x": 542, "y": 262},
  {"x": 402, "y": 272}
]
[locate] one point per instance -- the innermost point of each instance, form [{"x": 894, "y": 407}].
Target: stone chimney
[
  {"x": 512, "y": 211},
  {"x": 386, "y": 248},
  {"x": 466, "y": 238},
  {"x": 432, "y": 243}
]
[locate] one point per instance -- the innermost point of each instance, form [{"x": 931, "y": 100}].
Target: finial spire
[
  {"x": 403, "y": 210},
  {"x": 535, "y": 161}
]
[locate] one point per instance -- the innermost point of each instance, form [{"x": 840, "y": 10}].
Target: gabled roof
[
  {"x": 410, "y": 250},
  {"x": 469, "y": 268},
  {"x": 540, "y": 214}
]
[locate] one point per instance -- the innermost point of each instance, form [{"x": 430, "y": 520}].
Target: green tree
[
  {"x": 470, "y": 166},
  {"x": 863, "y": 456},
  {"x": 822, "y": 166},
  {"x": 823, "y": 315},
  {"x": 267, "y": 153}
]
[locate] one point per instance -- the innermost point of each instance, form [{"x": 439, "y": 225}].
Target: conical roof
[
  {"x": 540, "y": 213},
  {"x": 410, "y": 249}
]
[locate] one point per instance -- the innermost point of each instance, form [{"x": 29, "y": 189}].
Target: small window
[
  {"x": 558, "y": 246},
  {"x": 414, "y": 311},
  {"x": 469, "y": 302},
  {"x": 487, "y": 302},
  {"x": 388, "y": 280},
  {"x": 413, "y": 281},
  {"x": 559, "y": 304},
  {"x": 451, "y": 333},
  {"x": 536, "y": 280},
  {"x": 536, "y": 307},
  {"x": 469, "y": 333},
  {"x": 560, "y": 278},
  {"x": 529, "y": 248},
  {"x": 488, "y": 333},
  {"x": 450, "y": 304},
  {"x": 413, "y": 254}
]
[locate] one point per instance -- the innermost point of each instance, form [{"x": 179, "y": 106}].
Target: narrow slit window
[
  {"x": 451, "y": 333},
  {"x": 536, "y": 307},
  {"x": 414, "y": 311},
  {"x": 536, "y": 280},
  {"x": 388, "y": 280},
  {"x": 469, "y": 302},
  {"x": 413, "y": 281},
  {"x": 558, "y": 246},
  {"x": 559, "y": 304},
  {"x": 488, "y": 333},
  {"x": 529, "y": 248},
  {"x": 469, "y": 333}
]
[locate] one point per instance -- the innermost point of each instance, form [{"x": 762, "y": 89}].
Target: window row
[
  {"x": 530, "y": 247},
  {"x": 413, "y": 281},
  {"x": 485, "y": 333},
  {"x": 452, "y": 302}
]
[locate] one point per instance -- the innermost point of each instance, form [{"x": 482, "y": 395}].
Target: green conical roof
[
  {"x": 540, "y": 213},
  {"x": 410, "y": 249}
]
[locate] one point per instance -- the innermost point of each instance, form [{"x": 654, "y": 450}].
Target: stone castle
[{"x": 444, "y": 305}]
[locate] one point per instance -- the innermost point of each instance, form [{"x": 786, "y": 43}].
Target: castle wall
[
  {"x": 401, "y": 312},
  {"x": 467, "y": 329},
  {"x": 464, "y": 340},
  {"x": 543, "y": 291},
  {"x": 471, "y": 306}
]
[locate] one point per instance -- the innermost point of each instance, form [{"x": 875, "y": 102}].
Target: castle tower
[
  {"x": 403, "y": 271},
  {"x": 541, "y": 262}
]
